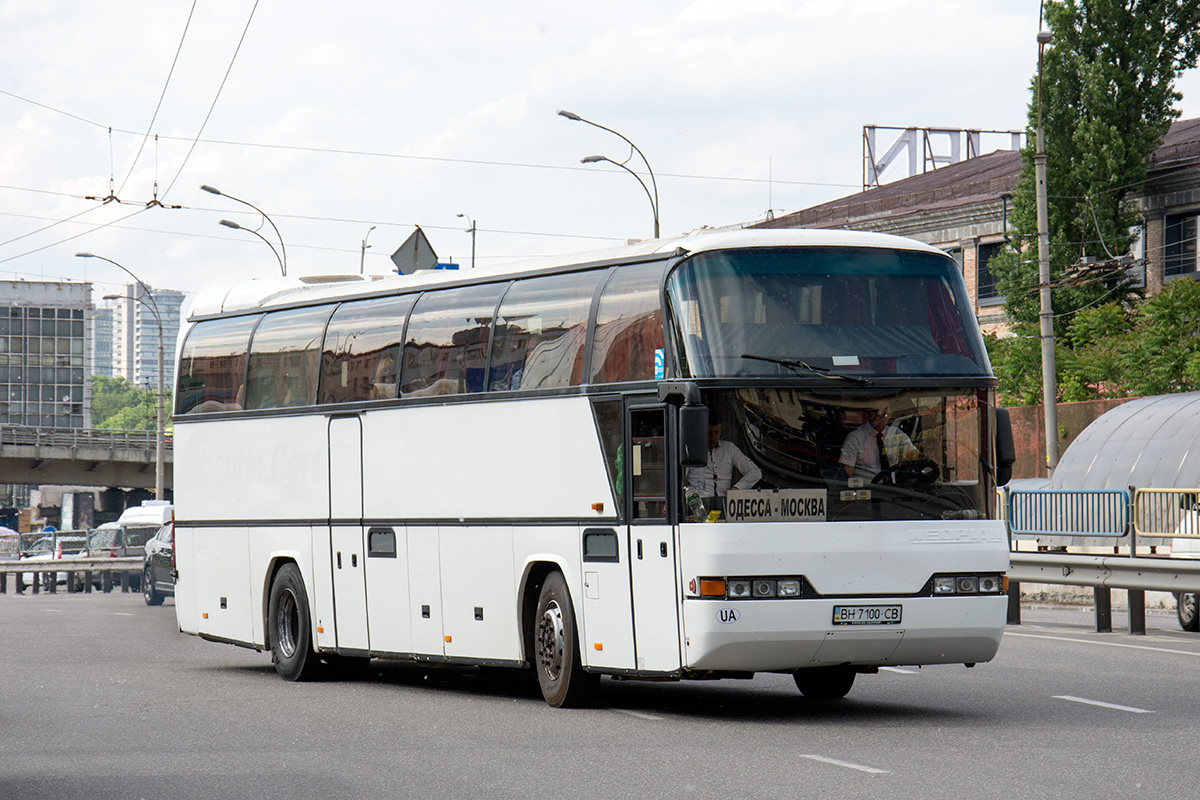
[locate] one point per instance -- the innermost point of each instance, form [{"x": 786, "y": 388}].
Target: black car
[{"x": 158, "y": 570}]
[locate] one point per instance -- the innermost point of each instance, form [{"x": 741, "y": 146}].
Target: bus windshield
[
  {"x": 778, "y": 454},
  {"x": 832, "y": 311}
]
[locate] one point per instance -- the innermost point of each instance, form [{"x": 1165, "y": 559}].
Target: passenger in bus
[
  {"x": 714, "y": 480},
  {"x": 383, "y": 384},
  {"x": 876, "y": 446}
]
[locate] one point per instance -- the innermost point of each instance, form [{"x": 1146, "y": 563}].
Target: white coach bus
[{"x": 656, "y": 462}]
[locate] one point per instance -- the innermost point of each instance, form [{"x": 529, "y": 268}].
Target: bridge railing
[{"x": 32, "y": 436}]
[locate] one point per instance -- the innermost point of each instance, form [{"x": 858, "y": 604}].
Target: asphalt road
[{"x": 102, "y": 698}]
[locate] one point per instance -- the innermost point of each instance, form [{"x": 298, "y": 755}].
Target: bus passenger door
[
  {"x": 651, "y": 541},
  {"x": 346, "y": 533}
]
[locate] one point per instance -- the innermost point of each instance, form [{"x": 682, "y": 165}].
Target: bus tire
[
  {"x": 152, "y": 595},
  {"x": 1189, "y": 618},
  {"x": 291, "y": 631},
  {"x": 825, "y": 683},
  {"x": 560, "y": 672}
]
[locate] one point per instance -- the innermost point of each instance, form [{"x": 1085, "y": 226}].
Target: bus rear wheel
[
  {"x": 825, "y": 683},
  {"x": 291, "y": 631},
  {"x": 560, "y": 672}
]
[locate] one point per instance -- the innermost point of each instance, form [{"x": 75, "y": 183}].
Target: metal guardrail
[
  {"x": 1167, "y": 512},
  {"x": 1107, "y": 572},
  {"x": 1113, "y": 518},
  {"x": 32, "y": 436},
  {"x": 1059, "y": 512},
  {"x": 81, "y": 572},
  {"x": 73, "y": 565}
]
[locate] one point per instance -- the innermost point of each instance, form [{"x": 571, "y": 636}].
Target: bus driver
[{"x": 875, "y": 447}]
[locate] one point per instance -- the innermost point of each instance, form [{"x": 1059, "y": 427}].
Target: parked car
[
  {"x": 158, "y": 567},
  {"x": 54, "y": 546}
]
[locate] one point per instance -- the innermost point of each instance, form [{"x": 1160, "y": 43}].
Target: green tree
[
  {"x": 118, "y": 404},
  {"x": 1107, "y": 100},
  {"x": 1162, "y": 352}
]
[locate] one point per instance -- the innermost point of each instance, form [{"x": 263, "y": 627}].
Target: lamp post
[
  {"x": 1046, "y": 311},
  {"x": 228, "y": 223},
  {"x": 362, "y": 259},
  {"x": 282, "y": 248},
  {"x": 152, "y": 304},
  {"x": 595, "y": 159},
  {"x": 635, "y": 149},
  {"x": 471, "y": 230}
]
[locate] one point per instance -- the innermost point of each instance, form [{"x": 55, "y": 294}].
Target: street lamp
[
  {"x": 596, "y": 159},
  {"x": 227, "y": 224},
  {"x": 471, "y": 230},
  {"x": 152, "y": 304},
  {"x": 362, "y": 259},
  {"x": 1046, "y": 310},
  {"x": 592, "y": 159}
]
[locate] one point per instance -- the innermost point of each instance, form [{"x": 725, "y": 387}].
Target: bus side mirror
[
  {"x": 693, "y": 435},
  {"x": 1006, "y": 451}
]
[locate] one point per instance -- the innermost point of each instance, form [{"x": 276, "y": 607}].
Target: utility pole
[{"x": 1046, "y": 313}]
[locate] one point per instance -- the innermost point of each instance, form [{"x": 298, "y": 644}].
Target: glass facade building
[{"x": 45, "y": 354}]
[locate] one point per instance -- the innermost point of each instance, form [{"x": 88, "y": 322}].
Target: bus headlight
[
  {"x": 990, "y": 584},
  {"x": 738, "y": 587},
  {"x": 754, "y": 587},
  {"x": 968, "y": 584},
  {"x": 944, "y": 585},
  {"x": 764, "y": 588}
]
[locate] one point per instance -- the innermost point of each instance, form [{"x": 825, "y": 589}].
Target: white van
[{"x": 129, "y": 534}]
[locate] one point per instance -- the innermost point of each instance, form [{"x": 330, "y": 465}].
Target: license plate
[{"x": 866, "y": 615}]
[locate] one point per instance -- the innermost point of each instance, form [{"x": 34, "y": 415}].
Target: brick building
[{"x": 963, "y": 209}]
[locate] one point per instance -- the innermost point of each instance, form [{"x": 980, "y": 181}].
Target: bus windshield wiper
[{"x": 795, "y": 365}]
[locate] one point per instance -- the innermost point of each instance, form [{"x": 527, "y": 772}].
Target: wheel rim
[
  {"x": 551, "y": 641},
  {"x": 1187, "y": 606},
  {"x": 146, "y": 585},
  {"x": 287, "y": 623}
]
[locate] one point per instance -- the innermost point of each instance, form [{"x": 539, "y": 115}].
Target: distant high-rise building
[
  {"x": 45, "y": 354},
  {"x": 135, "y": 335},
  {"x": 102, "y": 342}
]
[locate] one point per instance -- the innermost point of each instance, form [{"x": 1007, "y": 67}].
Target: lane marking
[
  {"x": 1191, "y": 653},
  {"x": 835, "y": 762},
  {"x": 899, "y": 670},
  {"x": 1102, "y": 704},
  {"x": 638, "y": 714}
]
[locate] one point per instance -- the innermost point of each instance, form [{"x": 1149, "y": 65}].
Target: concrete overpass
[{"x": 80, "y": 457}]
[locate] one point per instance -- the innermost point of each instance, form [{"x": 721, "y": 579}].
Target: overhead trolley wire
[
  {"x": 216, "y": 97},
  {"x": 161, "y": 97}
]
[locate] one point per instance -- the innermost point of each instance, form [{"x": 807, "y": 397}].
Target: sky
[{"x": 359, "y": 121}]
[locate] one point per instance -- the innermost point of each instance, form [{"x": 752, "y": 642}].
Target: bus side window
[
  {"x": 539, "y": 341},
  {"x": 283, "y": 358},
  {"x": 360, "y": 360},
  {"x": 648, "y": 464},
  {"x": 212, "y": 366},
  {"x": 446, "y": 348},
  {"x": 628, "y": 326}
]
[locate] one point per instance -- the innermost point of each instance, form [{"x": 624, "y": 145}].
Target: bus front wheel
[
  {"x": 291, "y": 631},
  {"x": 560, "y": 672},
  {"x": 825, "y": 683}
]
